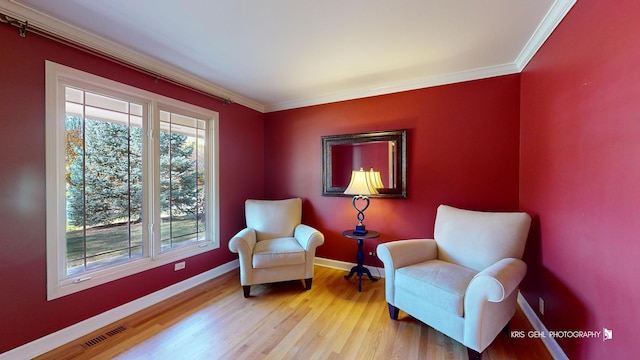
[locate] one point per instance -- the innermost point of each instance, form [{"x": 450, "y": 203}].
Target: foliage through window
[
  {"x": 131, "y": 180},
  {"x": 104, "y": 172},
  {"x": 182, "y": 179}
]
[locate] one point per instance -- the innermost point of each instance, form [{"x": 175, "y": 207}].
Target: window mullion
[
  {"x": 153, "y": 179},
  {"x": 84, "y": 190},
  {"x": 129, "y": 192},
  {"x": 197, "y": 187},
  {"x": 170, "y": 183}
]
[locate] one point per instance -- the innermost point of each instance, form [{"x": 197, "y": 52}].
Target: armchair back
[
  {"x": 476, "y": 239},
  {"x": 273, "y": 219}
]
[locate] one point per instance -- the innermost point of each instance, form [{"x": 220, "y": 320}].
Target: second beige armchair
[
  {"x": 464, "y": 282},
  {"x": 275, "y": 246}
]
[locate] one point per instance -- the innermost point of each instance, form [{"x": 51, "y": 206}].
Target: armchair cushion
[
  {"x": 278, "y": 252},
  {"x": 437, "y": 283}
]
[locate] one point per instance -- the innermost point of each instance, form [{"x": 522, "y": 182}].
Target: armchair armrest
[
  {"x": 498, "y": 281},
  {"x": 243, "y": 242},
  {"x": 490, "y": 301},
  {"x": 308, "y": 237},
  {"x": 397, "y": 254}
]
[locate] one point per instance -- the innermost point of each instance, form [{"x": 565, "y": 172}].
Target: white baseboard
[
  {"x": 346, "y": 266},
  {"x": 75, "y": 331},
  {"x": 551, "y": 344}
]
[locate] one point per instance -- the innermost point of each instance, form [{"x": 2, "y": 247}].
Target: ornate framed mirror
[{"x": 382, "y": 151}]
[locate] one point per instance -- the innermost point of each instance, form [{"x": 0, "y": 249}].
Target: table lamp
[
  {"x": 375, "y": 179},
  {"x": 360, "y": 186}
]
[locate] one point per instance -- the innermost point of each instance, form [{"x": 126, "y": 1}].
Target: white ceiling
[{"x": 280, "y": 54}]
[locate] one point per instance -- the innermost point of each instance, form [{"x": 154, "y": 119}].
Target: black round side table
[{"x": 360, "y": 269}]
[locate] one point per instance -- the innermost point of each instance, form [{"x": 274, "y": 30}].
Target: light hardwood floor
[{"x": 283, "y": 321}]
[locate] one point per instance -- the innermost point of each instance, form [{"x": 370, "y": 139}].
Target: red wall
[
  {"x": 462, "y": 151},
  {"x": 580, "y": 176},
  {"x": 25, "y": 315},
  {"x": 573, "y": 112}
]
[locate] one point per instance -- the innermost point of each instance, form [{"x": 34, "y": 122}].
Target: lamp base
[{"x": 360, "y": 230}]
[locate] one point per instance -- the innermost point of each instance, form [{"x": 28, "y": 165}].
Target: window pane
[
  {"x": 104, "y": 183},
  {"x": 182, "y": 179}
]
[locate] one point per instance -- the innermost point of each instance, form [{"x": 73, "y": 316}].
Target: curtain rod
[{"x": 23, "y": 27}]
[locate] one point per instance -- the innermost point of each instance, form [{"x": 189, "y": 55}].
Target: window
[{"x": 131, "y": 180}]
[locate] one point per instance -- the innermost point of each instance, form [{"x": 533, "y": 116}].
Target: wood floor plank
[{"x": 284, "y": 321}]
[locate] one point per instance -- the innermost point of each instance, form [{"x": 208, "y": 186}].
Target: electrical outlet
[
  {"x": 372, "y": 253},
  {"x": 179, "y": 266},
  {"x": 541, "y": 305}
]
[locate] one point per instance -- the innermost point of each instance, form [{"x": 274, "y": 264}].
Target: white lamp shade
[
  {"x": 360, "y": 184},
  {"x": 375, "y": 179}
]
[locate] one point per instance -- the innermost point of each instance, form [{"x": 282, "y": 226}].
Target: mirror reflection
[
  {"x": 372, "y": 156},
  {"x": 381, "y": 153}
]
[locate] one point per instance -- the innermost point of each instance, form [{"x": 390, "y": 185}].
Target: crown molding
[
  {"x": 554, "y": 16},
  {"x": 69, "y": 32},
  {"x": 556, "y": 13},
  {"x": 413, "y": 84},
  {"x": 550, "y": 21}
]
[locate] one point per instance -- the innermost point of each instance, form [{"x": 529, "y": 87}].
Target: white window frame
[{"x": 58, "y": 283}]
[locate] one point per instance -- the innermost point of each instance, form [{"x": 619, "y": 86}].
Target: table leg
[{"x": 360, "y": 269}]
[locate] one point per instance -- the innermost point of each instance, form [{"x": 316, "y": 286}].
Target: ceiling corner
[{"x": 551, "y": 20}]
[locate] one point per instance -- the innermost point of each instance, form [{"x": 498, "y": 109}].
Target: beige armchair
[
  {"x": 275, "y": 246},
  {"x": 464, "y": 282}
]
